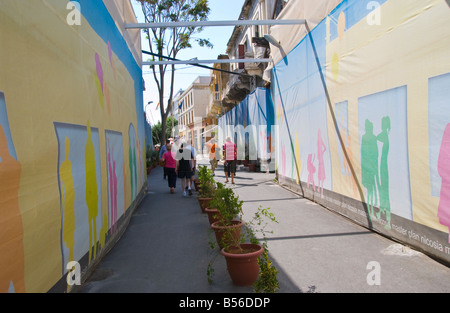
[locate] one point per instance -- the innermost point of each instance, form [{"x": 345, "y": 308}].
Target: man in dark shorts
[
  {"x": 230, "y": 154},
  {"x": 185, "y": 163}
]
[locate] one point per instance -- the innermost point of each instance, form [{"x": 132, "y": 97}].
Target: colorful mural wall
[
  {"x": 362, "y": 105},
  {"x": 251, "y": 126},
  {"x": 72, "y": 145}
]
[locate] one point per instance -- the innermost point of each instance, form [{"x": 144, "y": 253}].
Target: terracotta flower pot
[
  {"x": 213, "y": 215},
  {"x": 220, "y": 231},
  {"x": 204, "y": 203},
  {"x": 243, "y": 268},
  {"x": 197, "y": 185}
]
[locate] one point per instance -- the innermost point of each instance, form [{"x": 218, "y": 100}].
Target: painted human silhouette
[
  {"x": 11, "y": 228},
  {"x": 91, "y": 192},
  {"x": 349, "y": 159},
  {"x": 321, "y": 170},
  {"x": 132, "y": 165},
  {"x": 369, "y": 165},
  {"x": 344, "y": 137},
  {"x": 298, "y": 164},
  {"x": 311, "y": 170},
  {"x": 444, "y": 172},
  {"x": 67, "y": 202},
  {"x": 383, "y": 137},
  {"x": 112, "y": 187},
  {"x": 99, "y": 80}
]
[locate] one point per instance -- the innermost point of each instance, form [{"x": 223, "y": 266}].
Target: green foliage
[
  {"x": 167, "y": 42},
  {"x": 207, "y": 182},
  {"x": 152, "y": 157},
  {"x": 267, "y": 280},
  {"x": 157, "y": 130},
  {"x": 227, "y": 203}
]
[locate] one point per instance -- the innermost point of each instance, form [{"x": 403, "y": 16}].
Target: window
[{"x": 256, "y": 30}]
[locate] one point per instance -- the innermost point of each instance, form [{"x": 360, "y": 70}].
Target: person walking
[
  {"x": 184, "y": 160},
  {"x": 212, "y": 147},
  {"x": 169, "y": 167},
  {"x": 193, "y": 165},
  {"x": 162, "y": 151},
  {"x": 230, "y": 154}
]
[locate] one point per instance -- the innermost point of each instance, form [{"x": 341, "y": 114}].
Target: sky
[{"x": 186, "y": 74}]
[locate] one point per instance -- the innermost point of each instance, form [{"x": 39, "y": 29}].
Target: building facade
[
  {"x": 192, "y": 112},
  {"x": 249, "y": 42}
]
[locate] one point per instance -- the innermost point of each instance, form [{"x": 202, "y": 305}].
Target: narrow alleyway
[{"x": 165, "y": 248}]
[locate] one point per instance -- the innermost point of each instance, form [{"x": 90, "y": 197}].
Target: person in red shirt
[
  {"x": 169, "y": 167},
  {"x": 230, "y": 155}
]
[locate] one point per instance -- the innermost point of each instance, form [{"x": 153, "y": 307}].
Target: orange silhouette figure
[{"x": 11, "y": 229}]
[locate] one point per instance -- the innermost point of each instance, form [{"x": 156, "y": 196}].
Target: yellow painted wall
[{"x": 48, "y": 75}]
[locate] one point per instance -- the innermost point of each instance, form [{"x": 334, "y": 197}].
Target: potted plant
[
  {"x": 207, "y": 187},
  {"x": 197, "y": 184},
  {"x": 229, "y": 212},
  {"x": 246, "y": 161},
  {"x": 248, "y": 261}
]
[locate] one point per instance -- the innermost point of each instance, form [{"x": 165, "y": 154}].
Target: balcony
[{"x": 215, "y": 104}]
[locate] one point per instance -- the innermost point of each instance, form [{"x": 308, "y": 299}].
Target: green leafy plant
[
  {"x": 227, "y": 203},
  {"x": 207, "y": 182},
  {"x": 168, "y": 42},
  {"x": 267, "y": 280}
]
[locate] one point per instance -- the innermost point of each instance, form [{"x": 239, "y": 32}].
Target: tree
[
  {"x": 165, "y": 42},
  {"x": 157, "y": 130}
]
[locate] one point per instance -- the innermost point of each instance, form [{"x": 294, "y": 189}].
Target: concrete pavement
[{"x": 165, "y": 248}]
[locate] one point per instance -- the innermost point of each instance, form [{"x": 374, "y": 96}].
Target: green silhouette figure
[
  {"x": 68, "y": 202},
  {"x": 369, "y": 165},
  {"x": 383, "y": 137},
  {"x": 91, "y": 191}
]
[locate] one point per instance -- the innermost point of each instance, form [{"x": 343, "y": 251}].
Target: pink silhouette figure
[
  {"x": 112, "y": 188},
  {"x": 444, "y": 172},
  {"x": 99, "y": 68},
  {"x": 320, "y": 151},
  {"x": 311, "y": 170}
]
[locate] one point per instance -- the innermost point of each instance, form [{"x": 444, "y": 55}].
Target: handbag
[{"x": 162, "y": 163}]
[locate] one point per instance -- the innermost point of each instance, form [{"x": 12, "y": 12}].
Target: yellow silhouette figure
[
  {"x": 348, "y": 149},
  {"x": 68, "y": 202},
  {"x": 91, "y": 191},
  {"x": 11, "y": 229}
]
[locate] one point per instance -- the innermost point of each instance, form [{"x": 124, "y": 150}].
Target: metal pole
[
  {"x": 213, "y": 23},
  {"x": 192, "y": 62}
]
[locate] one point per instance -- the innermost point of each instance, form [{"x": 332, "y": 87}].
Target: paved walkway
[{"x": 165, "y": 248}]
